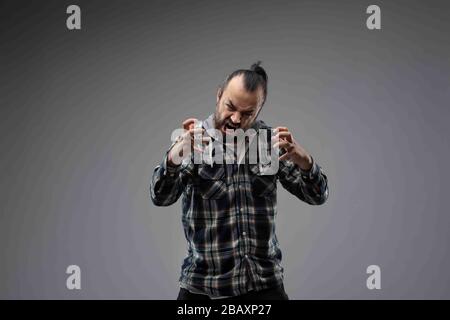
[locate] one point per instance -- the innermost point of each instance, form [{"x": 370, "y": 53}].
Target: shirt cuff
[
  {"x": 170, "y": 171},
  {"x": 311, "y": 174}
]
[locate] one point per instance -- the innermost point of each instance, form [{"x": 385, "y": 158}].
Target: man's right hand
[{"x": 182, "y": 149}]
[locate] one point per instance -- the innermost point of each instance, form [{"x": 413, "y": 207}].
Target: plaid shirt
[{"x": 228, "y": 215}]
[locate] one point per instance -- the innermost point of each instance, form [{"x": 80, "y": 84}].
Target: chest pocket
[
  {"x": 211, "y": 182},
  {"x": 262, "y": 185}
]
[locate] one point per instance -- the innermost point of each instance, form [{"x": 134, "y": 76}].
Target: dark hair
[{"x": 254, "y": 78}]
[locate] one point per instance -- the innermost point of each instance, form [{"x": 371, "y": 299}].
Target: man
[{"x": 229, "y": 209}]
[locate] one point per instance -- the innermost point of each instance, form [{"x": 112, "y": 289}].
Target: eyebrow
[
  {"x": 234, "y": 107},
  {"x": 231, "y": 103}
]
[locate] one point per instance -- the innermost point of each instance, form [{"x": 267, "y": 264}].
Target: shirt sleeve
[
  {"x": 166, "y": 185},
  {"x": 309, "y": 186}
]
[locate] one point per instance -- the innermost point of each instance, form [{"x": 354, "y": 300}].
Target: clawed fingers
[
  {"x": 280, "y": 129},
  {"x": 282, "y": 144},
  {"x": 283, "y": 135},
  {"x": 189, "y": 123},
  {"x": 283, "y": 139}
]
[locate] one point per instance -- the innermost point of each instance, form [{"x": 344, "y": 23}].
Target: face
[{"x": 236, "y": 108}]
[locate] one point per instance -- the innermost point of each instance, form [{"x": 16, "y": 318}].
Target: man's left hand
[{"x": 294, "y": 151}]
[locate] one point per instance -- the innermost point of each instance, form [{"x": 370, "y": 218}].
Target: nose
[{"x": 236, "y": 117}]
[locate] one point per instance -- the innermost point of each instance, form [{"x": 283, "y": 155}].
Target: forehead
[{"x": 240, "y": 97}]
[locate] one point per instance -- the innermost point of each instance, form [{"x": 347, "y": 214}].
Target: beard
[{"x": 224, "y": 124}]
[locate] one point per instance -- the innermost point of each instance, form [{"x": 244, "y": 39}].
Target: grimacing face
[{"x": 236, "y": 108}]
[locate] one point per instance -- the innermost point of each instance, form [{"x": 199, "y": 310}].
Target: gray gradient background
[{"x": 86, "y": 116}]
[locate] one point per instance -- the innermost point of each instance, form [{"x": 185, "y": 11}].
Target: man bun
[{"x": 256, "y": 67}]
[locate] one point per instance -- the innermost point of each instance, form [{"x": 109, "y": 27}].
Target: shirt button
[
  {"x": 244, "y": 233},
  {"x": 246, "y": 255}
]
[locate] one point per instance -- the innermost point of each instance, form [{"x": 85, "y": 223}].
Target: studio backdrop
[{"x": 87, "y": 113}]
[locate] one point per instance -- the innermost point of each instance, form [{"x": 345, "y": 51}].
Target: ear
[{"x": 219, "y": 94}]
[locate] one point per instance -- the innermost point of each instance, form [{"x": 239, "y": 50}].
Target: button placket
[{"x": 240, "y": 199}]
